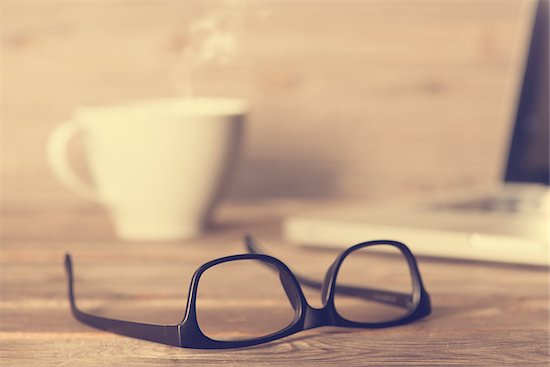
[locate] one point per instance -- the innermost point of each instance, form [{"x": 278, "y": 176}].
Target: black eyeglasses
[{"x": 373, "y": 284}]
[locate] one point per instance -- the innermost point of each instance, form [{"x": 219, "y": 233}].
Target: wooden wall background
[{"x": 357, "y": 98}]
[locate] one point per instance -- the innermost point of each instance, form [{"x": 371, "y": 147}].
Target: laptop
[{"x": 510, "y": 223}]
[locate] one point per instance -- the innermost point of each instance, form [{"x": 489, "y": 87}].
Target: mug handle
[{"x": 58, "y": 143}]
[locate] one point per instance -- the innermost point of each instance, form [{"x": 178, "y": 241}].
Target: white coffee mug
[{"x": 158, "y": 166}]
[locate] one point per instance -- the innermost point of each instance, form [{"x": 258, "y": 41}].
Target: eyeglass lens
[
  {"x": 373, "y": 285},
  {"x": 231, "y": 305}
]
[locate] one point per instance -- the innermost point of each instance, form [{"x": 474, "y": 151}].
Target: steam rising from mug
[{"x": 211, "y": 40}]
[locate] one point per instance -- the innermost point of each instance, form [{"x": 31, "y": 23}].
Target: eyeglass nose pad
[
  {"x": 326, "y": 283},
  {"x": 290, "y": 290}
]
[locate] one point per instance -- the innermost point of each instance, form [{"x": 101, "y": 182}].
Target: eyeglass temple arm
[
  {"x": 165, "y": 334},
  {"x": 388, "y": 297}
]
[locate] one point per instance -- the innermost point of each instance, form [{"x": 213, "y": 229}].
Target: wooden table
[{"x": 483, "y": 314}]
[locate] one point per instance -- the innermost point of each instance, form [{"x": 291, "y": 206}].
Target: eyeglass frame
[{"x": 187, "y": 333}]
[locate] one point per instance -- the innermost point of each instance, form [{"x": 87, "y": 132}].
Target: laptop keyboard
[{"x": 538, "y": 204}]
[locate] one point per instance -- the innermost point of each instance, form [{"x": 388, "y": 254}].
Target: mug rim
[{"x": 171, "y": 106}]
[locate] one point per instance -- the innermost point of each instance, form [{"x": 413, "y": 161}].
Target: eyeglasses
[{"x": 373, "y": 284}]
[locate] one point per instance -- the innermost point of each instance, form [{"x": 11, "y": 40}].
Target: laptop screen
[{"x": 528, "y": 158}]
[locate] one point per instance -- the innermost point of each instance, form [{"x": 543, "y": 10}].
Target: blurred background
[{"x": 351, "y": 99}]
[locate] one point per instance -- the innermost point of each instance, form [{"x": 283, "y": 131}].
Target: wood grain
[
  {"x": 350, "y": 98},
  {"x": 484, "y": 314}
]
